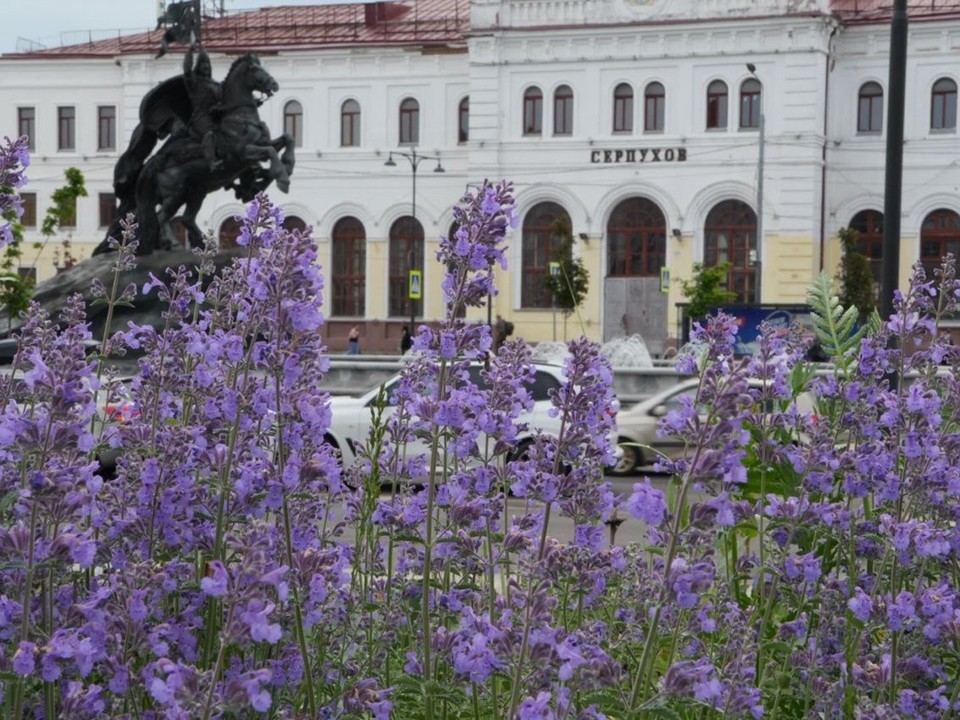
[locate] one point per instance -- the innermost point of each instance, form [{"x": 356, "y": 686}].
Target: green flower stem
[
  {"x": 428, "y": 545},
  {"x": 217, "y": 668}
]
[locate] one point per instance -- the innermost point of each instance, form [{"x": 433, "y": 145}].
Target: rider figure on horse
[{"x": 205, "y": 95}]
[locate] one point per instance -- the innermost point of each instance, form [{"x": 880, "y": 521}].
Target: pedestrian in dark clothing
[{"x": 406, "y": 342}]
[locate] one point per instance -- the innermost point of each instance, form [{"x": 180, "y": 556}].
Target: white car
[{"x": 351, "y": 418}]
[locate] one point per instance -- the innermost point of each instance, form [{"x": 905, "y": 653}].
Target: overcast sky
[{"x": 42, "y": 21}]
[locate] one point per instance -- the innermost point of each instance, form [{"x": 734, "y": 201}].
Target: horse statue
[{"x": 214, "y": 139}]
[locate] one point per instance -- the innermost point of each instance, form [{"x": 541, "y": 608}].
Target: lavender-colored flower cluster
[
  {"x": 14, "y": 159},
  {"x": 798, "y": 564}
]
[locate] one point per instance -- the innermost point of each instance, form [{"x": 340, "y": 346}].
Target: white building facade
[{"x": 639, "y": 122}]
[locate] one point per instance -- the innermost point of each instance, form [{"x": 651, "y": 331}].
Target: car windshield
[{"x": 539, "y": 389}]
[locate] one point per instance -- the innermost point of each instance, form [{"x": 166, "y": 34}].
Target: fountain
[
  {"x": 552, "y": 352},
  {"x": 627, "y": 352},
  {"x": 624, "y": 352}
]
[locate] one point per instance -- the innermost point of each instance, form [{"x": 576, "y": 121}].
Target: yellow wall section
[
  {"x": 680, "y": 262},
  {"x": 788, "y": 268},
  {"x": 377, "y": 279}
]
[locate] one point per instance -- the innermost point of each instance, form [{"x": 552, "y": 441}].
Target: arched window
[
  {"x": 636, "y": 239},
  {"x": 750, "y": 98},
  {"x": 943, "y": 105},
  {"x": 406, "y": 253},
  {"x": 563, "y": 110},
  {"x": 654, "y": 103},
  {"x": 539, "y": 240},
  {"x": 293, "y": 121},
  {"x": 349, "y": 263},
  {"x": 292, "y": 222},
  {"x": 623, "y": 108},
  {"x": 350, "y": 124},
  {"x": 228, "y": 234},
  {"x": 532, "y": 111},
  {"x": 409, "y": 122},
  {"x": 463, "y": 121},
  {"x": 869, "y": 227},
  {"x": 939, "y": 235},
  {"x": 717, "y": 105},
  {"x": 730, "y": 236},
  {"x": 870, "y": 108}
]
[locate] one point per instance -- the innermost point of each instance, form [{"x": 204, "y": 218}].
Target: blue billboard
[{"x": 749, "y": 318}]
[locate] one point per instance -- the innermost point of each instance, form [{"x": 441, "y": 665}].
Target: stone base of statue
[{"x": 52, "y": 294}]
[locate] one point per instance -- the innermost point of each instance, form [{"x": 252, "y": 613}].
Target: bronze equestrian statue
[{"x": 214, "y": 139}]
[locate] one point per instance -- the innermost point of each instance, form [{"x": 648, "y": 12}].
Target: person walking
[
  {"x": 406, "y": 342},
  {"x": 353, "y": 347}
]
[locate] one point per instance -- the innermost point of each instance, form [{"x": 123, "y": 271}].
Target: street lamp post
[
  {"x": 759, "y": 263},
  {"x": 414, "y": 159}
]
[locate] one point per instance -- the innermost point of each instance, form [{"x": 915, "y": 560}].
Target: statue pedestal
[{"x": 52, "y": 294}]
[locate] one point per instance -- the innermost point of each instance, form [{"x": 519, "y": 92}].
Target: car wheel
[{"x": 629, "y": 460}]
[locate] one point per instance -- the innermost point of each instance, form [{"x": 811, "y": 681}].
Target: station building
[{"x": 639, "y": 121}]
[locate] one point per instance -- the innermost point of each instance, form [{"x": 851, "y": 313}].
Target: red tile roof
[
  {"x": 401, "y": 22},
  {"x": 853, "y": 11}
]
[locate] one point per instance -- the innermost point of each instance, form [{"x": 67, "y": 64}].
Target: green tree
[
  {"x": 62, "y": 213},
  {"x": 707, "y": 290},
  {"x": 569, "y": 285},
  {"x": 15, "y": 289},
  {"x": 855, "y": 278}
]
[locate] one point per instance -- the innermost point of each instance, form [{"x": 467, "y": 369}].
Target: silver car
[{"x": 637, "y": 427}]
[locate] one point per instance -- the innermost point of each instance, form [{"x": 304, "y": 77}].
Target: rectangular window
[
  {"x": 27, "y": 125},
  {"x": 463, "y": 122},
  {"x": 532, "y": 114},
  {"x": 749, "y": 110},
  {"x": 717, "y": 111},
  {"x": 108, "y": 209},
  {"x": 623, "y": 113},
  {"x": 29, "y": 217},
  {"x": 653, "y": 113},
  {"x": 943, "y": 114},
  {"x": 409, "y": 125},
  {"x": 563, "y": 113},
  {"x": 350, "y": 128},
  {"x": 106, "y": 127},
  {"x": 66, "y": 128}
]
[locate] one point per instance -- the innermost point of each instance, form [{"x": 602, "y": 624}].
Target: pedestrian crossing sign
[{"x": 415, "y": 286}]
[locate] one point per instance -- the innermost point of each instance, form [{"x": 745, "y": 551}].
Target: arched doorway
[
  {"x": 539, "y": 239},
  {"x": 636, "y": 253},
  {"x": 349, "y": 265},
  {"x": 869, "y": 227},
  {"x": 730, "y": 236},
  {"x": 939, "y": 235},
  {"x": 406, "y": 253}
]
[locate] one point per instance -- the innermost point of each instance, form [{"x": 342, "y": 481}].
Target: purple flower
[
  {"x": 860, "y": 605},
  {"x": 259, "y": 696},
  {"x": 217, "y": 580},
  {"x": 536, "y": 709},
  {"x": 256, "y": 618},
  {"x": 474, "y": 659},
  {"x": 24, "y": 659},
  {"x": 646, "y": 503}
]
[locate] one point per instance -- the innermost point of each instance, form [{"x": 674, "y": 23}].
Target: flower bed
[{"x": 799, "y": 565}]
